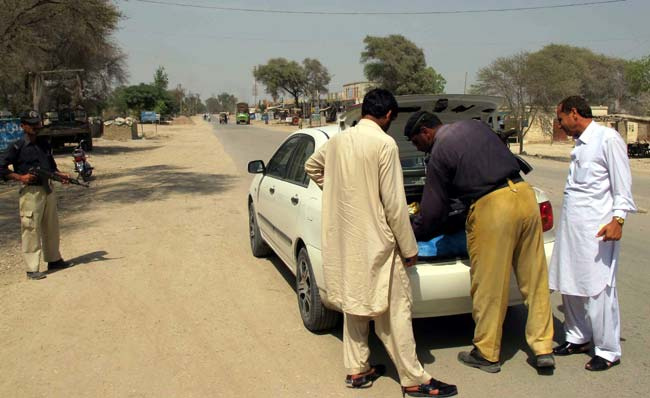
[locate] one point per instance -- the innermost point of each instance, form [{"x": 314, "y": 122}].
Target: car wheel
[
  {"x": 314, "y": 314},
  {"x": 258, "y": 246}
]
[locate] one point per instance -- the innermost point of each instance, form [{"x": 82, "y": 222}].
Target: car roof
[{"x": 327, "y": 131}]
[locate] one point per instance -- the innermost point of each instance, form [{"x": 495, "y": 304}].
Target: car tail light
[{"x": 546, "y": 211}]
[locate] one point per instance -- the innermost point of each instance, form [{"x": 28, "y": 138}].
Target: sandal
[
  {"x": 571, "y": 348},
  {"x": 434, "y": 388},
  {"x": 599, "y": 363},
  {"x": 365, "y": 380}
]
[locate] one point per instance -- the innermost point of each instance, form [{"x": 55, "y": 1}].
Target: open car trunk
[{"x": 449, "y": 108}]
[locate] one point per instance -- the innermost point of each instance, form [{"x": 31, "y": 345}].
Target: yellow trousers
[
  {"x": 504, "y": 232},
  {"x": 393, "y": 328},
  {"x": 39, "y": 226}
]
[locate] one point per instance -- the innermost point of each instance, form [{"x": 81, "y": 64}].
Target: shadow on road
[
  {"x": 104, "y": 150},
  {"x": 288, "y": 276},
  {"x": 91, "y": 257},
  {"x": 146, "y": 184},
  {"x": 433, "y": 334}
]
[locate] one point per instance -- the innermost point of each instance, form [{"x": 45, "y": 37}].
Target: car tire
[
  {"x": 315, "y": 316},
  {"x": 258, "y": 246}
]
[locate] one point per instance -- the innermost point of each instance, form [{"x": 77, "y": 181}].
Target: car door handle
[
  {"x": 295, "y": 200},
  {"x": 272, "y": 190}
]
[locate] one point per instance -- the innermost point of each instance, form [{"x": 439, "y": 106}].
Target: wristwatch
[{"x": 619, "y": 220}]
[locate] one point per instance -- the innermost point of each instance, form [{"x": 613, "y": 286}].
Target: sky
[{"x": 211, "y": 51}]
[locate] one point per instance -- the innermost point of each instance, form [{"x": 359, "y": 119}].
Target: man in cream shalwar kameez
[
  {"x": 366, "y": 240},
  {"x": 597, "y": 198}
]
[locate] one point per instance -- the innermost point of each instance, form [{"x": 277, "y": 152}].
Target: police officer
[{"x": 38, "y": 215}]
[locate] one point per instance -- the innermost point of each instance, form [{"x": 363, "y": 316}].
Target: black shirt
[
  {"x": 24, "y": 155},
  {"x": 467, "y": 161}
]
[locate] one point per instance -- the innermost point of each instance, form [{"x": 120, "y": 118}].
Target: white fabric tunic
[
  {"x": 599, "y": 186},
  {"x": 365, "y": 221}
]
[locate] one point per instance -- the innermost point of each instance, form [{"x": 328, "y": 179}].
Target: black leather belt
[
  {"x": 501, "y": 184},
  {"x": 504, "y": 183}
]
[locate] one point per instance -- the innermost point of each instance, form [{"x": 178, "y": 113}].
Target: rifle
[{"x": 37, "y": 171}]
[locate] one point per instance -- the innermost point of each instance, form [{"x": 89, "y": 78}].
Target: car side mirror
[{"x": 256, "y": 167}]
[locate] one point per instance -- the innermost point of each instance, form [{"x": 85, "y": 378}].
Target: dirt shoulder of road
[{"x": 164, "y": 298}]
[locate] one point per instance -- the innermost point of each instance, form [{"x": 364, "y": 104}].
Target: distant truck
[
  {"x": 67, "y": 125},
  {"x": 242, "y": 116},
  {"x": 58, "y": 96}
]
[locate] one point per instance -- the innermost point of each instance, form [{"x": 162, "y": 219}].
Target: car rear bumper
[{"x": 443, "y": 288}]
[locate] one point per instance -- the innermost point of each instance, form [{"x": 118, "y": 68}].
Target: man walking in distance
[
  {"x": 597, "y": 198},
  {"x": 38, "y": 217},
  {"x": 367, "y": 245},
  {"x": 504, "y": 230}
]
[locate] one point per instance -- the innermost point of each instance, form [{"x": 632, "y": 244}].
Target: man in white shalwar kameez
[
  {"x": 597, "y": 198},
  {"x": 367, "y": 244}
]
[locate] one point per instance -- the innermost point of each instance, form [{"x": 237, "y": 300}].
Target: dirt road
[{"x": 162, "y": 301}]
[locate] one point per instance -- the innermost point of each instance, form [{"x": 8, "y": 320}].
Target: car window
[
  {"x": 279, "y": 163},
  {"x": 297, "y": 169}
]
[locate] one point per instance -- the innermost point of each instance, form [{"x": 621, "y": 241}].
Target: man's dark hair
[
  {"x": 378, "y": 102},
  {"x": 578, "y": 102},
  {"x": 418, "y": 120}
]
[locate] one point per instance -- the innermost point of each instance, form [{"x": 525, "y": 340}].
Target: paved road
[{"x": 440, "y": 339}]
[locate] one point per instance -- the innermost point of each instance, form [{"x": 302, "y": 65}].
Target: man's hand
[
  {"x": 26, "y": 178},
  {"x": 409, "y": 262},
  {"x": 64, "y": 176},
  {"x": 611, "y": 231}
]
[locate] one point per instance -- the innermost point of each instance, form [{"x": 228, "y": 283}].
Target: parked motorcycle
[{"x": 81, "y": 166}]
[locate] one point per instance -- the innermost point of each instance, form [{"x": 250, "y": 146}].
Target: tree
[
  {"x": 534, "y": 83},
  {"x": 192, "y": 104},
  {"x": 637, "y": 79},
  {"x": 280, "y": 74},
  {"x": 317, "y": 77},
  {"x": 508, "y": 77},
  {"x": 212, "y": 104},
  {"x": 142, "y": 97},
  {"x": 398, "y": 65},
  {"x": 38, "y": 35},
  {"x": 160, "y": 78},
  {"x": 179, "y": 95},
  {"x": 637, "y": 74},
  {"x": 227, "y": 102},
  {"x": 148, "y": 97}
]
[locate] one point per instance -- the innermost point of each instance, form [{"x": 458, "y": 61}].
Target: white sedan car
[{"x": 285, "y": 216}]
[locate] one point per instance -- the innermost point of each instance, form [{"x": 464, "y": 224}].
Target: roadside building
[
  {"x": 633, "y": 128},
  {"x": 354, "y": 92}
]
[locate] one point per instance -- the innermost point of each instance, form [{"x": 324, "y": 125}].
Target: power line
[{"x": 358, "y": 13}]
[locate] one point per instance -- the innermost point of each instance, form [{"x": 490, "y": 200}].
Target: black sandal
[
  {"x": 426, "y": 390},
  {"x": 365, "y": 381},
  {"x": 598, "y": 364}
]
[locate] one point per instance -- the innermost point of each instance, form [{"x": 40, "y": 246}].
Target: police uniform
[{"x": 38, "y": 204}]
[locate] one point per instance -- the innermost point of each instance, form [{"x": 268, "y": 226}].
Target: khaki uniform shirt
[{"x": 365, "y": 221}]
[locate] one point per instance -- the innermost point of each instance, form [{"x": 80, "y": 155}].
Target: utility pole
[{"x": 255, "y": 86}]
